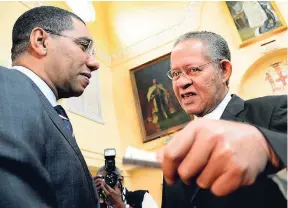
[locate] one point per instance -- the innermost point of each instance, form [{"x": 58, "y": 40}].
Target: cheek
[
  {"x": 213, "y": 89},
  {"x": 72, "y": 61},
  {"x": 64, "y": 61},
  {"x": 72, "y": 57},
  {"x": 205, "y": 87}
]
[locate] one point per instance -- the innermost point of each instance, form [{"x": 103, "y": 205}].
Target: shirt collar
[
  {"x": 45, "y": 89},
  {"x": 218, "y": 111}
]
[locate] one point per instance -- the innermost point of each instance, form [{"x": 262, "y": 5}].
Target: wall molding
[
  {"x": 166, "y": 36},
  {"x": 191, "y": 21}
]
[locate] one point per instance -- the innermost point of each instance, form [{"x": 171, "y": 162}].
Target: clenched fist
[{"x": 224, "y": 155}]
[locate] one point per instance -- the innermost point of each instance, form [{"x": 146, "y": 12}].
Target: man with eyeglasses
[
  {"x": 41, "y": 164},
  {"x": 224, "y": 157}
]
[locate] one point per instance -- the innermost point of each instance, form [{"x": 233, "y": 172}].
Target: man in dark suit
[
  {"x": 217, "y": 163},
  {"x": 41, "y": 163}
]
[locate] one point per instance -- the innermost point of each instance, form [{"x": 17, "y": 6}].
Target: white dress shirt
[
  {"x": 218, "y": 111},
  {"x": 148, "y": 201},
  {"x": 45, "y": 89}
]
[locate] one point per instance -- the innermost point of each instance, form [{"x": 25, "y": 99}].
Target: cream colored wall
[
  {"x": 148, "y": 179},
  {"x": 255, "y": 77},
  {"x": 128, "y": 35},
  {"x": 132, "y": 22},
  {"x": 156, "y": 39},
  {"x": 7, "y": 20}
]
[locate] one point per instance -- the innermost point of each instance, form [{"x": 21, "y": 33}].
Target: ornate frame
[
  {"x": 241, "y": 15},
  {"x": 142, "y": 79}
]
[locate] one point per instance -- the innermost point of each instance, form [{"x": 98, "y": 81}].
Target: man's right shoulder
[
  {"x": 5, "y": 69},
  {"x": 11, "y": 75},
  {"x": 14, "y": 82}
]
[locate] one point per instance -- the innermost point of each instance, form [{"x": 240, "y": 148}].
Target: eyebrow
[
  {"x": 75, "y": 38},
  {"x": 185, "y": 67}
]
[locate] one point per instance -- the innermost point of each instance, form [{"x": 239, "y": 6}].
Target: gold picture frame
[
  {"x": 158, "y": 109},
  {"x": 255, "y": 20}
]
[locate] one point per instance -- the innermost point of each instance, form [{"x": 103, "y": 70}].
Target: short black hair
[{"x": 47, "y": 17}]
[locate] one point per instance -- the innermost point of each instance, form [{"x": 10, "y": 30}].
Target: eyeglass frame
[
  {"x": 184, "y": 72},
  {"x": 89, "y": 50}
]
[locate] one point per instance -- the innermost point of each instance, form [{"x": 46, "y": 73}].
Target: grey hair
[
  {"x": 117, "y": 170},
  {"x": 217, "y": 47}
]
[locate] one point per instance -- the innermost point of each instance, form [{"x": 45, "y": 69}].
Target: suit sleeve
[
  {"x": 24, "y": 180},
  {"x": 276, "y": 135}
]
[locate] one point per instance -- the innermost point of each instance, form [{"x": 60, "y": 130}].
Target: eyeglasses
[
  {"x": 84, "y": 43},
  {"x": 189, "y": 73}
]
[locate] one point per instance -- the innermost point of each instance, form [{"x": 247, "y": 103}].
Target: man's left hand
[{"x": 113, "y": 196}]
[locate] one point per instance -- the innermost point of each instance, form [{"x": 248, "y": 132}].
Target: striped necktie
[{"x": 60, "y": 110}]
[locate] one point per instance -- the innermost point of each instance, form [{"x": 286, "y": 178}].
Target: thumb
[{"x": 160, "y": 155}]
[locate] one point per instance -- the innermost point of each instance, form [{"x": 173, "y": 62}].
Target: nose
[
  {"x": 92, "y": 63},
  {"x": 184, "y": 82}
]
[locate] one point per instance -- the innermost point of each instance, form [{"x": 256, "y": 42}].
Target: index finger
[
  {"x": 175, "y": 152},
  {"x": 98, "y": 182}
]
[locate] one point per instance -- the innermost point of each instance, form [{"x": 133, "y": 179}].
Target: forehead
[
  {"x": 79, "y": 29},
  {"x": 188, "y": 52},
  {"x": 102, "y": 173}
]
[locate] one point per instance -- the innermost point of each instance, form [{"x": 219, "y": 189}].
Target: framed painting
[
  {"x": 157, "y": 107},
  {"x": 255, "y": 20}
]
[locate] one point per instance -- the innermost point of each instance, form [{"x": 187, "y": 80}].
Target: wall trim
[{"x": 166, "y": 36}]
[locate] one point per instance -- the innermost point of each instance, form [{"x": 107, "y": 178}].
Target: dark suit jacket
[
  {"x": 40, "y": 162},
  {"x": 269, "y": 115}
]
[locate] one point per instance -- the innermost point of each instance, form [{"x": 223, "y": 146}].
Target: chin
[
  {"x": 192, "y": 110},
  {"x": 74, "y": 93},
  {"x": 78, "y": 90},
  {"x": 78, "y": 93}
]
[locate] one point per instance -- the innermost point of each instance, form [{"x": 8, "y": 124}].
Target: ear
[
  {"x": 38, "y": 41},
  {"x": 226, "y": 68}
]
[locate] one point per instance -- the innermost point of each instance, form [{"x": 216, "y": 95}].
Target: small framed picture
[{"x": 255, "y": 20}]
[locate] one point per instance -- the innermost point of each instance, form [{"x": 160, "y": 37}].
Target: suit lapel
[
  {"x": 67, "y": 135},
  {"x": 53, "y": 115},
  {"x": 57, "y": 120},
  {"x": 234, "y": 107}
]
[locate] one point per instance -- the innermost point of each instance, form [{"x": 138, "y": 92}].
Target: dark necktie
[{"x": 60, "y": 110}]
